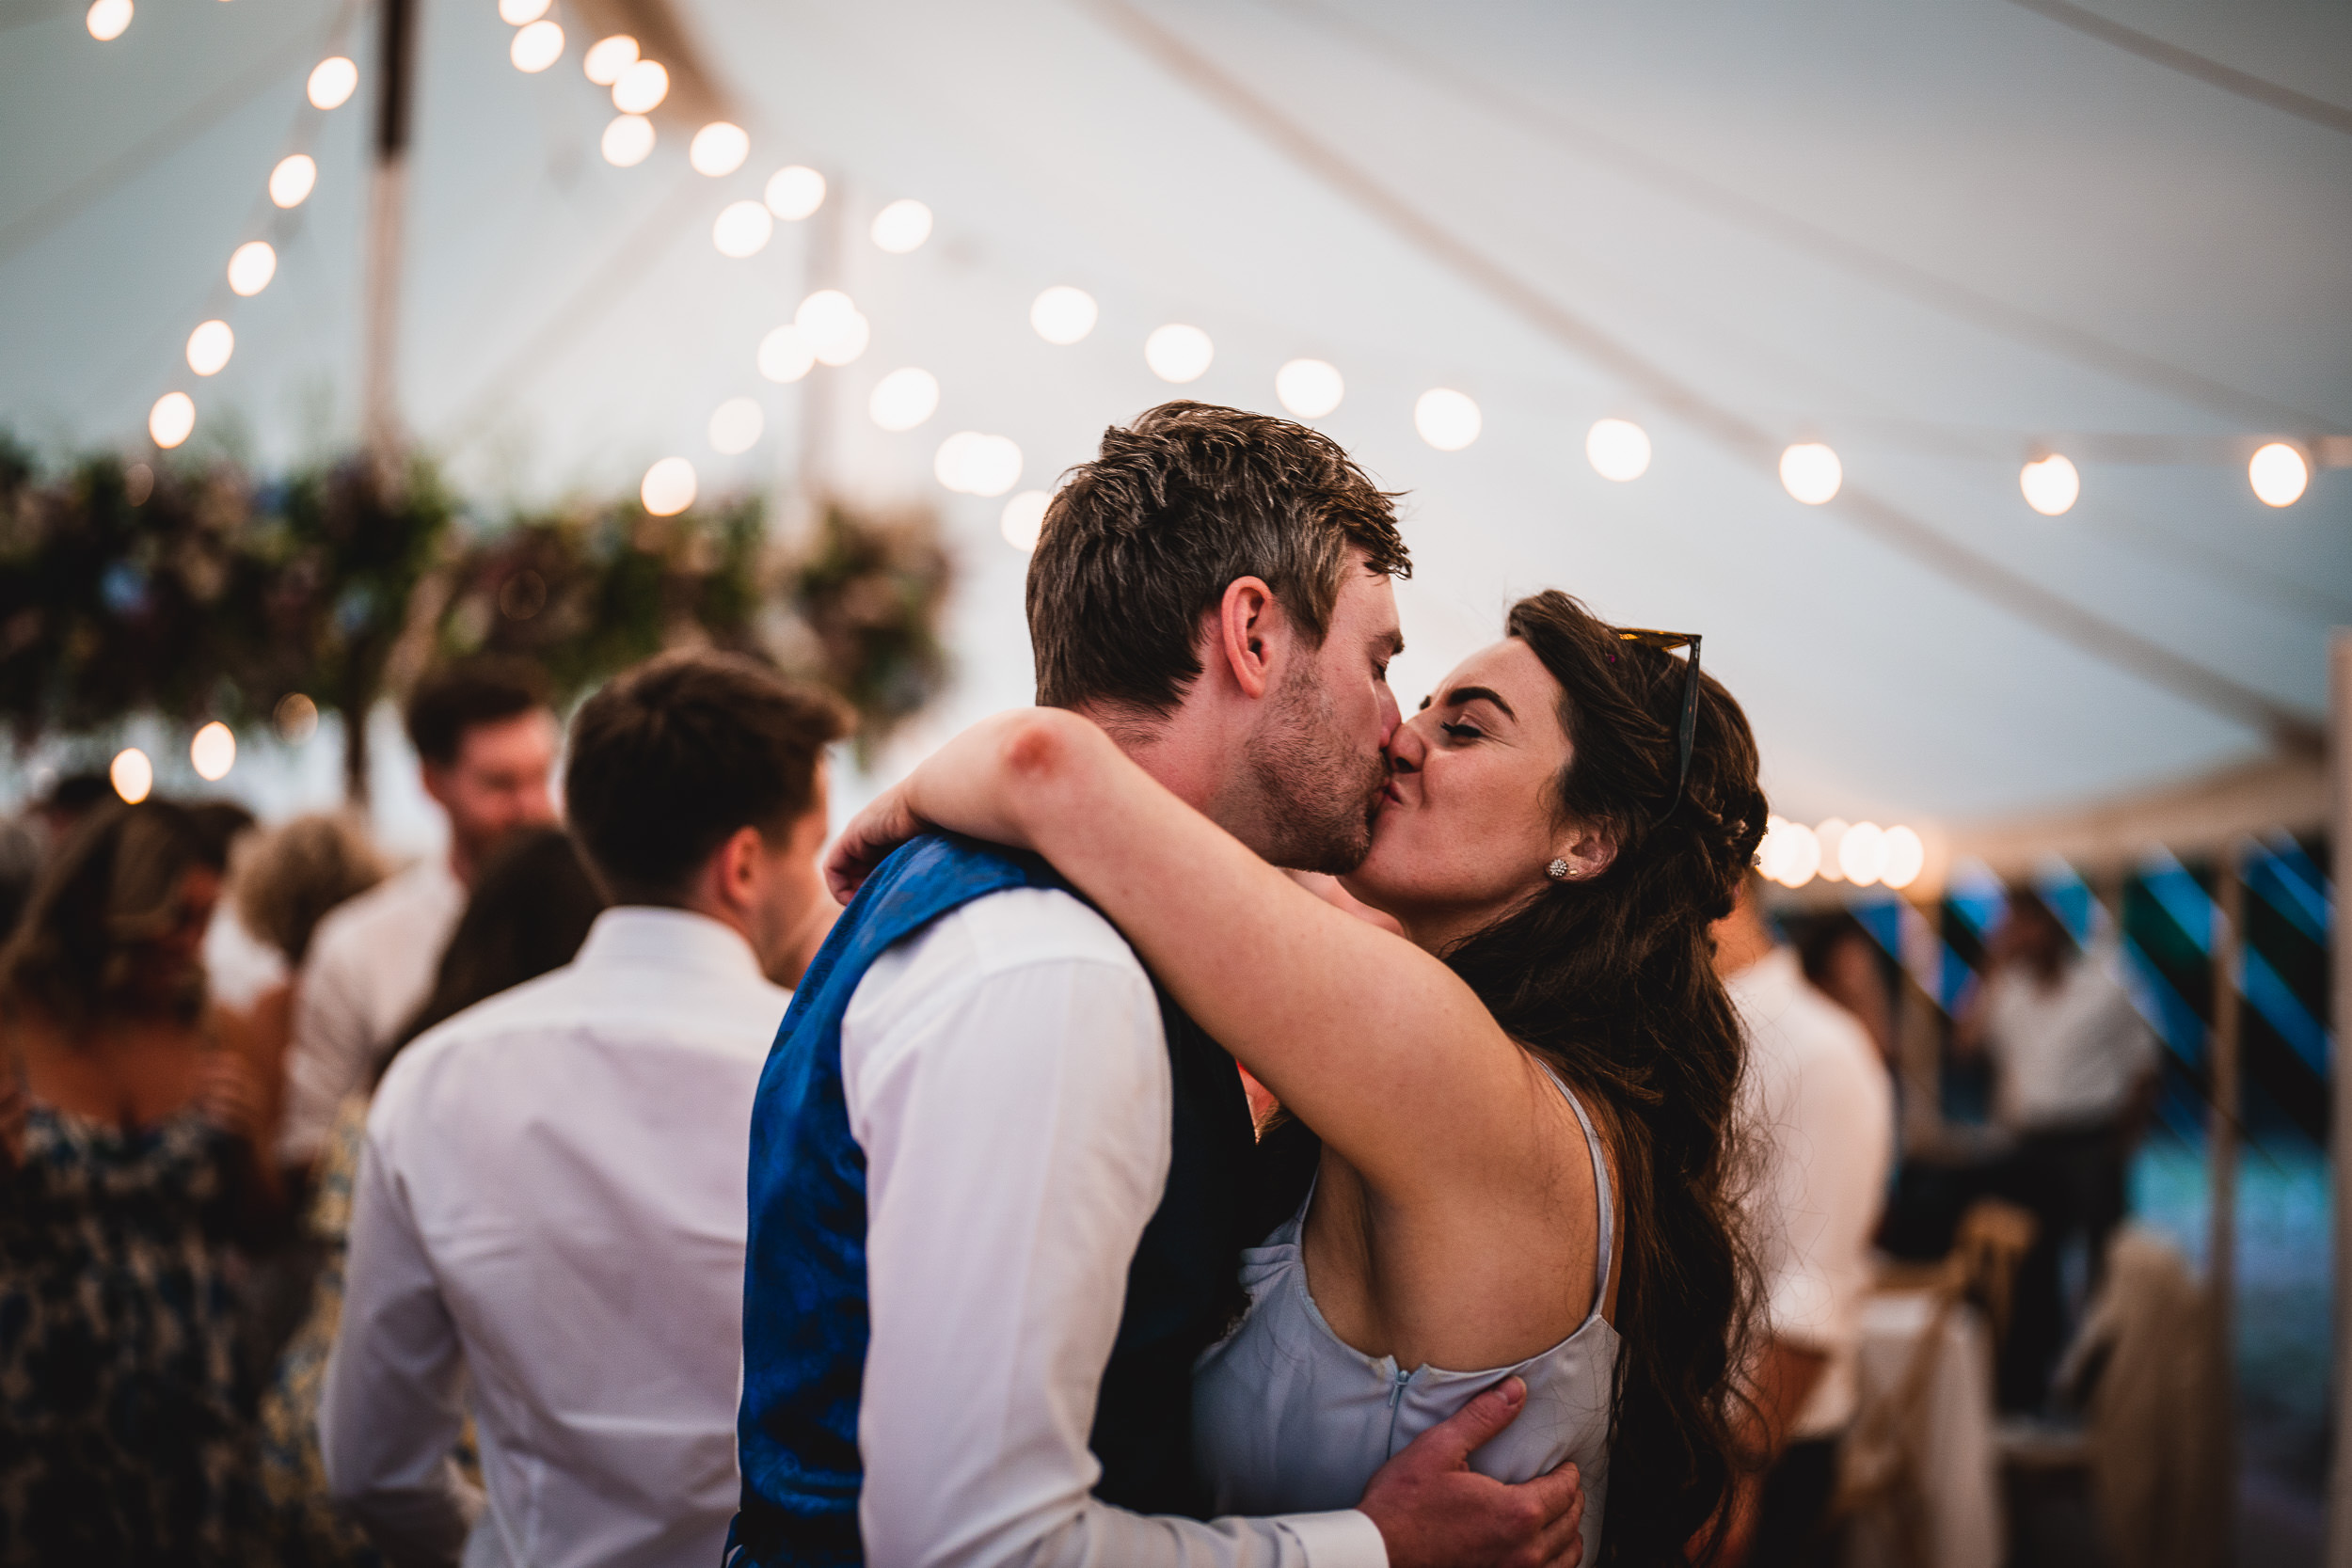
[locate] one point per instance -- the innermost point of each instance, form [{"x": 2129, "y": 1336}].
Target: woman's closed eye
[{"x": 1458, "y": 730}]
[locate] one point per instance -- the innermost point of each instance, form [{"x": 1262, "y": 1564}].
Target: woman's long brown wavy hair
[{"x": 1612, "y": 981}]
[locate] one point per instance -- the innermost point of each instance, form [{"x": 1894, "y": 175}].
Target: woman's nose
[{"x": 1406, "y": 749}]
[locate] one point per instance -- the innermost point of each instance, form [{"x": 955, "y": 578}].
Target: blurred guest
[
  {"x": 1841, "y": 960},
  {"x": 1820, "y": 1119},
  {"x": 2074, "y": 1077},
  {"x": 531, "y": 910},
  {"x": 549, "y": 1205},
  {"x": 133, "y": 1157},
  {"x": 21, "y": 847},
  {"x": 74, "y": 798},
  {"x": 486, "y": 742}
]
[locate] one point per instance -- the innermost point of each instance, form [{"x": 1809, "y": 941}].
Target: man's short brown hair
[
  {"x": 1141, "y": 542},
  {"x": 672, "y": 759},
  {"x": 452, "y": 698}
]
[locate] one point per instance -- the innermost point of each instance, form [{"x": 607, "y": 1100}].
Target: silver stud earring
[{"x": 1560, "y": 871}]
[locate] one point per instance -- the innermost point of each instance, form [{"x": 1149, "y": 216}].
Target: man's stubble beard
[{"x": 1318, "y": 798}]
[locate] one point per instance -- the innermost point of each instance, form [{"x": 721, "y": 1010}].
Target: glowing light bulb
[
  {"x": 1063, "y": 315},
  {"x": 904, "y": 399},
  {"x": 902, "y": 226},
  {"x": 836, "y": 332},
  {"x": 735, "y": 426},
  {"x": 251, "y": 265},
  {"x": 333, "y": 81},
  {"x": 794, "y": 192},
  {"x": 640, "y": 87},
  {"x": 291, "y": 181},
  {"x": 668, "y": 488},
  {"x": 107, "y": 20},
  {"x": 1811, "y": 472},
  {"x": 1902, "y": 857},
  {"x": 742, "y": 228},
  {"x": 608, "y": 57},
  {"x": 1447, "y": 419},
  {"x": 719, "y": 149},
  {"x": 297, "y": 717},
  {"x": 1790, "y": 855},
  {"x": 2050, "y": 485},
  {"x": 1177, "y": 353},
  {"x": 132, "y": 774},
  {"x": 626, "y": 140},
  {"x": 2279, "y": 474},
  {"x": 1831, "y": 835},
  {"x": 210, "y": 346},
  {"x": 515, "y": 13},
  {"x": 784, "y": 355},
  {"x": 1619, "y": 450},
  {"x": 972, "y": 464},
  {"x": 172, "y": 420},
  {"x": 537, "y": 46},
  {"x": 214, "y": 752},
  {"x": 1862, "y": 853},
  {"x": 1023, "y": 518},
  {"x": 1310, "y": 387}
]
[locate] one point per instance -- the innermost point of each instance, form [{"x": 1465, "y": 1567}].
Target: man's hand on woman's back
[{"x": 1435, "y": 1511}]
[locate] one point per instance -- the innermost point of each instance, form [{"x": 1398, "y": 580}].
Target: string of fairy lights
[{"x": 829, "y": 329}]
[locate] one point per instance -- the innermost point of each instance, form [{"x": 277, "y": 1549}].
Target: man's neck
[{"x": 1175, "y": 749}]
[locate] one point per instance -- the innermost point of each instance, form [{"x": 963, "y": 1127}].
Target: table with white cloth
[{"x": 1955, "y": 1466}]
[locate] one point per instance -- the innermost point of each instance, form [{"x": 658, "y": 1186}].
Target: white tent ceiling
[{"x": 1935, "y": 237}]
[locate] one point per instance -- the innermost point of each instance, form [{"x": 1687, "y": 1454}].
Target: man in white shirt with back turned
[
  {"x": 1816, "y": 1103},
  {"x": 485, "y": 740},
  {"x": 549, "y": 1206}
]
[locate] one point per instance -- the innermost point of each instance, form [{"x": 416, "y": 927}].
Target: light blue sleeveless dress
[{"x": 1288, "y": 1418}]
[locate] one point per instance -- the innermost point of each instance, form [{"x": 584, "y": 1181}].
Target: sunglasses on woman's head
[{"x": 1687, "y": 736}]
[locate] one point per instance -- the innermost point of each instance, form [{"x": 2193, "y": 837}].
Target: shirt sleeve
[
  {"x": 391, "y": 1410},
  {"x": 1829, "y": 1155},
  {"x": 1016, "y": 1135},
  {"x": 327, "y": 1055}
]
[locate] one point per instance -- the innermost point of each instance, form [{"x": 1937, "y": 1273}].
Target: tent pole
[
  {"x": 2340, "y": 1122},
  {"x": 396, "y": 71},
  {"x": 2221, "y": 1159}
]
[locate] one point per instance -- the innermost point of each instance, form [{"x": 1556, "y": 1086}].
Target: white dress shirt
[
  {"x": 1008, "y": 1079},
  {"x": 549, "y": 1210},
  {"x": 1816, "y": 1100},
  {"x": 2068, "y": 1054},
  {"x": 371, "y": 964}
]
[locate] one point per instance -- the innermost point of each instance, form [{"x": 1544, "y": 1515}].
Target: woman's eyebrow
[{"x": 1462, "y": 694}]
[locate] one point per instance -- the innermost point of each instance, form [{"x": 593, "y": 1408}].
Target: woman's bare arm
[{"x": 1374, "y": 1043}]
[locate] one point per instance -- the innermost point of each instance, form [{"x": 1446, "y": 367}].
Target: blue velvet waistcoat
[{"x": 804, "y": 1314}]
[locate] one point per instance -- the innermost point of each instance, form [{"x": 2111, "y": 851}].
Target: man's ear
[
  {"x": 739, "y": 860},
  {"x": 1248, "y": 617},
  {"x": 435, "y": 776}
]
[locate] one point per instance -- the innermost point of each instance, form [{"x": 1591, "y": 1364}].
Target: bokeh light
[
  {"x": 212, "y": 753},
  {"x": 2279, "y": 474},
  {"x": 2050, "y": 485},
  {"x": 626, "y": 140},
  {"x": 902, "y": 226},
  {"x": 1179, "y": 353},
  {"x": 1447, "y": 419},
  {"x": 537, "y": 47},
  {"x": 972, "y": 464},
  {"x": 829, "y": 322},
  {"x": 297, "y": 717},
  {"x": 515, "y": 13},
  {"x": 719, "y": 148},
  {"x": 1790, "y": 855},
  {"x": 251, "y": 265},
  {"x": 333, "y": 81},
  {"x": 1063, "y": 315},
  {"x": 1811, "y": 472},
  {"x": 1831, "y": 835},
  {"x": 172, "y": 420},
  {"x": 640, "y": 87},
  {"x": 132, "y": 774},
  {"x": 742, "y": 228},
  {"x": 1619, "y": 450},
  {"x": 904, "y": 399},
  {"x": 291, "y": 181},
  {"x": 210, "y": 346},
  {"x": 735, "y": 426},
  {"x": 608, "y": 57},
  {"x": 1023, "y": 518},
  {"x": 1903, "y": 856},
  {"x": 1310, "y": 387},
  {"x": 1862, "y": 853},
  {"x": 668, "y": 488},
  {"x": 794, "y": 192},
  {"x": 107, "y": 20},
  {"x": 784, "y": 355}
]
